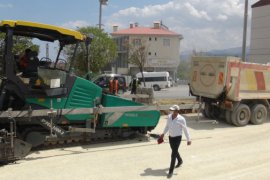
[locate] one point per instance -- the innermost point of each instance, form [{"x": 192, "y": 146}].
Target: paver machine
[{"x": 51, "y": 104}]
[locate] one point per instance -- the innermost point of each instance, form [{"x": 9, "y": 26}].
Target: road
[
  {"x": 218, "y": 151},
  {"x": 177, "y": 92}
]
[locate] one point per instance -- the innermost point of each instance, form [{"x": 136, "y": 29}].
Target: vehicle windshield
[{"x": 46, "y": 52}]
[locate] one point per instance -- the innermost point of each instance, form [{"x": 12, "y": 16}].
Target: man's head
[
  {"x": 174, "y": 108},
  {"x": 27, "y": 51}
]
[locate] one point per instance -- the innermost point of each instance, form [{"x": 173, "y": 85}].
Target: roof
[
  {"x": 42, "y": 31},
  {"x": 145, "y": 31},
  {"x": 261, "y": 3}
]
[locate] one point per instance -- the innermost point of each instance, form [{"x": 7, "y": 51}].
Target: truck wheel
[
  {"x": 241, "y": 115},
  {"x": 228, "y": 116},
  {"x": 156, "y": 88},
  {"x": 211, "y": 111},
  {"x": 206, "y": 111},
  {"x": 258, "y": 114},
  {"x": 215, "y": 112}
]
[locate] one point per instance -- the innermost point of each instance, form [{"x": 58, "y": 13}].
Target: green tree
[
  {"x": 183, "y": 71},
  {"x": 20, "y": 44},
  {"x": 102, "y": 51}
]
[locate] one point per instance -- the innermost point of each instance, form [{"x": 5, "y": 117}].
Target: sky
[{"x": 204, "y": 24}]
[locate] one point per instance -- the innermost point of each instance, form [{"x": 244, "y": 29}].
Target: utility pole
[
  {"x": 245, "y": 32},
  {"x": 101, "y": 2},
  {"x": 47, "y": 50}
]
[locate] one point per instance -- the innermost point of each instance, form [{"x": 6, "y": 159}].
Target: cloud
[
  {"x": 6, "y": 6},
  {"x": 75, "y": 24},
  {"x": 205, "y": 24},
  {"x": 196, "y": 13},
  {"x": 222, "y": 17}
]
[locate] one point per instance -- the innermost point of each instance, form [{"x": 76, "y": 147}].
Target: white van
[{"x": 157, "y": 80}]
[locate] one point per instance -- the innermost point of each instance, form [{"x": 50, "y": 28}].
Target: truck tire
[
  {"x": 156, "y": 88},
  {"x": 211, "y": 111},
  {"x": 258, "y": 114},
  {"x": 241, "y": 115},
  {"x": 206, "y": 111}
]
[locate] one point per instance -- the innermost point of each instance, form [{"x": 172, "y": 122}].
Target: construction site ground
[{"x": 218, "y": 151}]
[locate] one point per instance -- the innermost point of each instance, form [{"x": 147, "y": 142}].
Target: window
[
  {"x": 166, "y": 42},
  {"x": 155, "y": 38},
  {"x": 149, "y": 53},
  {"x": 150, "y": 38},
  {"x": 137, "y": 42},
  {"x": 151, "y": 79}
]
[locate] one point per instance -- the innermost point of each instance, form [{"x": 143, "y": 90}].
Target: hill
[{"x": 237, "y": 51}]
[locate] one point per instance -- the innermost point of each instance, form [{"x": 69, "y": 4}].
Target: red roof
[
  {"x": 145, "y": 31},
  {"x": 261, "y": 3}
]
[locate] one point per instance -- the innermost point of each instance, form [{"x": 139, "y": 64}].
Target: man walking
[
  {"x": 175, "y": 125},
  {"x": 134, "y": 84}
]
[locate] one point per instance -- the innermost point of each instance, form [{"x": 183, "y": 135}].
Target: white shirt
[{"x": 175, "y": 126}]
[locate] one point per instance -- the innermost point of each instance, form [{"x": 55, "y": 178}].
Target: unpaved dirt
[{"x": 218, "y": 151}]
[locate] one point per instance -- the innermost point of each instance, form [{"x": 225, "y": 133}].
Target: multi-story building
[
  {"x": 162, "y": 46},
  {"x": 260, "y": 32}
]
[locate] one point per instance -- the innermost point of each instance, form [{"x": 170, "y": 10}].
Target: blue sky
[{"x": 205, "y": 24}]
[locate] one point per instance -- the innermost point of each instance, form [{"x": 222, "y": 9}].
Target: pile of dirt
[{"x": 178, "y": 102}]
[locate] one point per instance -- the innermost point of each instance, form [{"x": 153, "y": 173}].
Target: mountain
[{"x": 237, "y": 51}]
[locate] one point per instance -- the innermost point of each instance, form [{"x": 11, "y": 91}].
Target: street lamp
[
  {"x": 245, "y": 31},
  {"x": 101, "y": 2}
]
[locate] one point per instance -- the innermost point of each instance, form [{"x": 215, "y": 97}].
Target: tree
[
  {"x": 137, "y": 56},
  {"x": 20, "y": 44},
  {"x": 183, "y": 71},
  {"x": 102, "y": 51}
]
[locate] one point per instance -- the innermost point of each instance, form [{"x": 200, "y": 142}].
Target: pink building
[{"x": 163, "y": 48}]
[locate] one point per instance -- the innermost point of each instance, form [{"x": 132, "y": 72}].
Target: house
[
  {"x": 260, "y": 32},
  {"x": 162, "y": 46}
]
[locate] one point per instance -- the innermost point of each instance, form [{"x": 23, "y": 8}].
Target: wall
[{"x": 260, "y": 35}]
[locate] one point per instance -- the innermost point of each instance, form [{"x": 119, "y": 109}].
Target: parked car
[{"x": 104, "y": 79}]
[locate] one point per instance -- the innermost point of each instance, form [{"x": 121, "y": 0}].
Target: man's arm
[
  {"x": 184, "y": 126},
  {"x": 166, "y": 129}
]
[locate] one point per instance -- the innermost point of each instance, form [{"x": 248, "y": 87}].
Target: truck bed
[{"x": 213, "y": 76}]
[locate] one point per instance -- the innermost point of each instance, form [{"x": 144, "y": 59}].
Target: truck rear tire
[
  {"x": 241, "y": 115},
  {"x": 211, "y": 111},
  {"x": 156, "y": 88},
  {"x": 258, "y": 114},
  {"x": 206, "y": 110}
]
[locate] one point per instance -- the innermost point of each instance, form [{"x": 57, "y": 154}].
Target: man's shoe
[
  {"x": 169, "y": 175},
  {"x": 179, "y": 164}
]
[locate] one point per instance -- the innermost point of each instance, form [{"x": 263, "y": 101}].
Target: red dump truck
[{"x": 231, "y": 89}]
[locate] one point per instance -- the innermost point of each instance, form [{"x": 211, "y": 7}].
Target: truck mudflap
[{"x": 12, "y": 149}]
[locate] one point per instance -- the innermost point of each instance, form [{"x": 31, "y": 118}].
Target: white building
[
  {"x": 163, "y": 48},
  {"x": 260, "y": 32}
]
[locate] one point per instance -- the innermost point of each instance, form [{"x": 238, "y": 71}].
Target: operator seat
[{"x": 31, "y": 69}]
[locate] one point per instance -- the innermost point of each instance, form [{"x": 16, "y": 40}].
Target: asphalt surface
[
  {"x": 176, "y": 92},
  {"x": 218, "y": 151}
]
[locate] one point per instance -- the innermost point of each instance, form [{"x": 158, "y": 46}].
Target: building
[
  {"x": 162, "y": 45},
  {"x": 260, "y": 32}
]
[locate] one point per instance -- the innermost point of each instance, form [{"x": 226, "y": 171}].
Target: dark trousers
[
  {"x": 175, "y": 143},
  {"x": 133, "y": 91}
]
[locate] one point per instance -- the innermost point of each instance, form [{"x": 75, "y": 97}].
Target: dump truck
[{"x": 231, "y": 89}]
